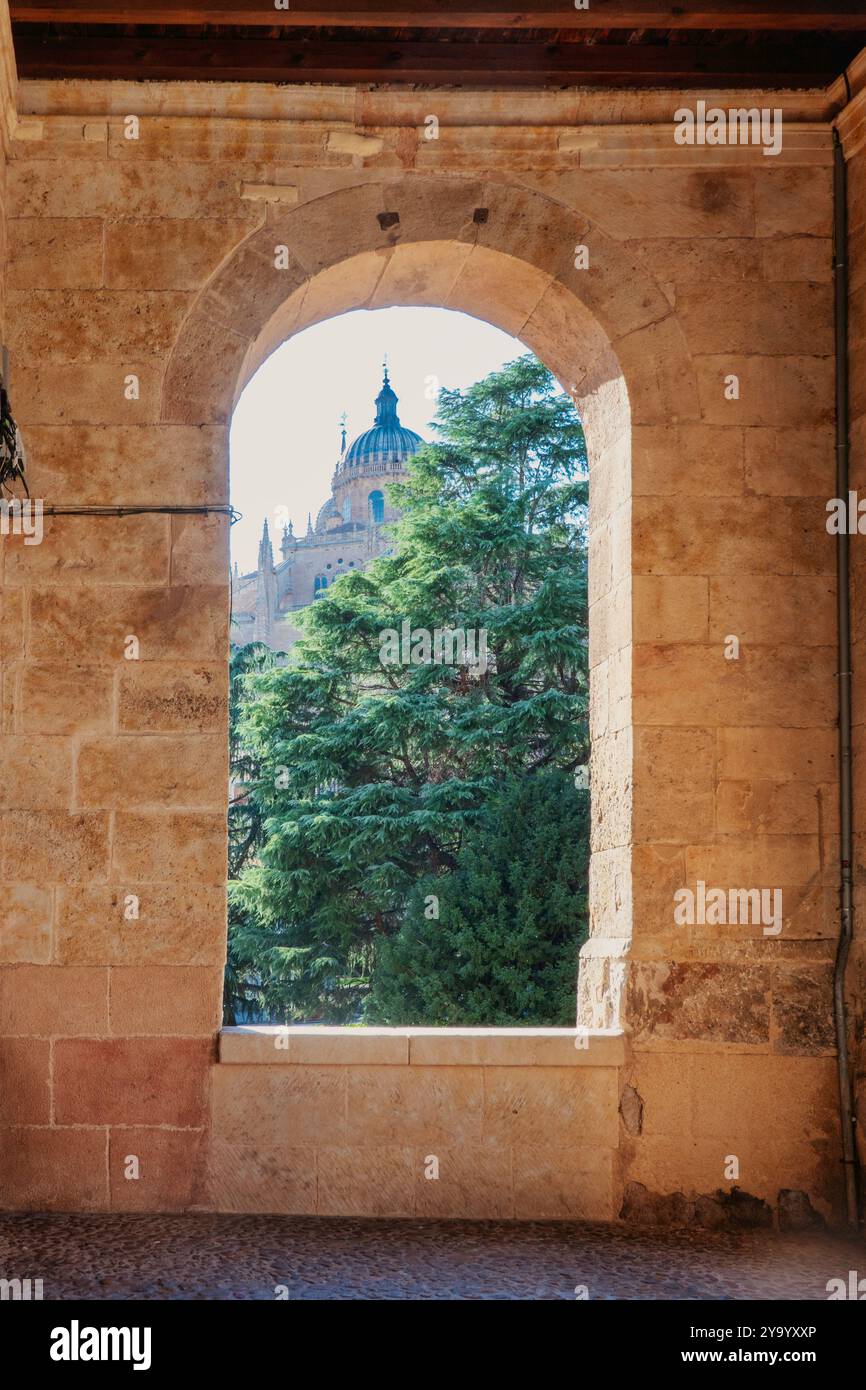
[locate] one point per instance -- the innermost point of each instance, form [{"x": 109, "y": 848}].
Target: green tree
[
  {"x": 255, "y": 986},
  {"x": 495, "y": 942},
  {"x": 371, "y": 774}
]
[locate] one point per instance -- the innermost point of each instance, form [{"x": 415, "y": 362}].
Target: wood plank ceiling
[{"x": 472, "y": 43}]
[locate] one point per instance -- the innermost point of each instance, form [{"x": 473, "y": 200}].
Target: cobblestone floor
[{"x": 246, "y": 1257}]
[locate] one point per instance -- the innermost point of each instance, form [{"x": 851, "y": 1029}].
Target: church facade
[{"x": 348, "y": 533}]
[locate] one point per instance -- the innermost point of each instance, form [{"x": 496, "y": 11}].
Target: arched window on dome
[
  {"x": 376, "y": 501},
  {"x": 347, "y": 509},
  {"x": 320, "y": 584}
]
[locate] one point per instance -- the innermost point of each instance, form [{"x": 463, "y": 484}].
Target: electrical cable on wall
[{"x": 216, "y": 510}]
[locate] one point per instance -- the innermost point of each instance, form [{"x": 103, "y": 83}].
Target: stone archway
[{"x": 506, "y": 255}]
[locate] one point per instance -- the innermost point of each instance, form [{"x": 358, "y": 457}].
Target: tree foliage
[{"x": 495, "y": 942}]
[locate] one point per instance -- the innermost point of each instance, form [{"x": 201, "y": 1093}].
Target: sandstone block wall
[
  {"x": 142, "y": 292},
  {"x": 495, "y": 1124}
]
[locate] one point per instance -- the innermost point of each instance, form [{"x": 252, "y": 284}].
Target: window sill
[{"x": 314, "y": 1045}]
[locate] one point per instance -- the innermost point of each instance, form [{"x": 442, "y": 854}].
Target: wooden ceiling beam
[
  {"x": 836, "y": 15},
  {"x": 480, "y": 64}
]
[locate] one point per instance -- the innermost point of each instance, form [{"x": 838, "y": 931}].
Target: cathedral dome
[{"x": 387, "y": 441}]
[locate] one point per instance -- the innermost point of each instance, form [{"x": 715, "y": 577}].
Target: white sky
[{"x": 285, "y": 437}]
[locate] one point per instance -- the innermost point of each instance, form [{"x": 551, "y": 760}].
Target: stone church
[{"x": 348, "y": 533}]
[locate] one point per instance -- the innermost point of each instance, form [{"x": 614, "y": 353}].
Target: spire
[
  {"x": 386, "y": 403},
  {"x": 343, "y": 418},
  {"x": 266, "y": 554},
  {"x": 266, "y": 591},
  {"x": 288, "y": 541},
  {"x": 309, "y": 524}
]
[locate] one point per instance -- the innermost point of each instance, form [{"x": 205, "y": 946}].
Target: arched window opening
[{"x": 389, "y": 788}]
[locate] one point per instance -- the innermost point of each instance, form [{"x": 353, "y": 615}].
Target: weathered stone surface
[
  {"x": 415, "y": 1104},
  {"x": 552, "y": 1183},
  {"x": 258, "y": 1177},
  {"x": 771, "y": 608},
  {"x": 485, "y": 279},
  {"x": 185, "y": 623},
  {"x": 93, "y": 550},
  {"x": 580, "y": 1107},
  {"x": 423, "y": 273},
  {"x": 675, "y": 785},
  {"x": 777, "y": 755},
  {"x": 774, "y": 317},
  {"x": 37, "y": 774},
  {"x": 676, "y": 1001},
  {"x": 169, "y": 847},
  {"x": 199, "y": 549},
  {"x": 170, "y": 1169},
  {"x": 180, "y": 770},
  {"x": 773, "y": 391},
  {"x": 203, "y": 373},
  {"x": 631, "y": 1110},
  {"x": 796, "y": 1212},
  {"x": 128, "y": 464},
  {"x": 697, "y": 537},
  {"x": 92, "y": 393},
  {"x": 181, "y": 924},
  {"x": 662, "y": 202},
  {"x": 797, "y": 258},
  {"x": 25, "y": 924},
  {"x": 796, "y": 808},
  {"x": 131, "y": 1081},
  {"x": 120, "y": 188},
  {"x": 60, "y": 848},
  {"x": 688, "y": 461},
  {"x": 803, "y": 1011},
  {"x": 55, "y": 253},
  {"x": 53, "y": 1001},
  {"x": 163, "y": 697},
  {"x": 670, "y": 608},
  {"x": 790, "y": 462},
  {"x": 164, "y": 999},
  {"x": 53, "y": 1169},
  {"x": 793, "y": 201},
  {"x": 712, "y": 259},
  {"x": 77, "y": 325},
  {"x": 475, "y": 1178},
  {"x": 25, "y": 1097},
  {"x": 58, "y": 697},
  {"x": 365, "y": 1181},
  {"x": 280, "y": 1106},
  {"x": 173, "y": 255},
  {"x": 732, "y": 1210},
  {"x": 691, "y": 684},
  {"x": 644, "y": 1208}
]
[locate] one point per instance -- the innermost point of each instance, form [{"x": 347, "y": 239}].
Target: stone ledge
[{"x": 316, "y": 1045}]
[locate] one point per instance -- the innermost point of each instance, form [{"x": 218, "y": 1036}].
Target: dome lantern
[{"x": 388, "y": 442}]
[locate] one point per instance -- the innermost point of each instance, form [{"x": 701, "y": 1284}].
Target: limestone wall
[
  {"x": 487, "y": 1123},
  {"x": 153, "y": 258}
]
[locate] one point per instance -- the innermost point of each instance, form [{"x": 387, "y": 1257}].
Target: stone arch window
[
  {"x": 320, "y": 584},
  {"x": 347, "y": 509},
  {"x": 595, "y": 337},
  {"x": 376, "y": 502}
]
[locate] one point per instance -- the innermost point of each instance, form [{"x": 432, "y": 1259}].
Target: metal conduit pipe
[{"x": 846, "y": 902}]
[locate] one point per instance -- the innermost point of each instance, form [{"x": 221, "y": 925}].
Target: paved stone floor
[{"x": 247, "y": 1257}]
